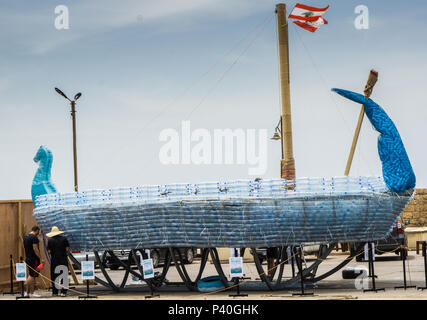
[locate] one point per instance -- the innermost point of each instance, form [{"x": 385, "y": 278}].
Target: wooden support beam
[
  {"x": 16, "y": 201},
  {"x": 372, "y": 79},
  {"x": 21, "y": 238},
  {"x": 72, "y": 271},
  {"x": 8, "y": 282}
]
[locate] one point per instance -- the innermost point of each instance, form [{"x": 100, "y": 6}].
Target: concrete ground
[{"x": 388, "y": 268}]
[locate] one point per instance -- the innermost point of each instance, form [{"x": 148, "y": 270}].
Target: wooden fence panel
[{"x": 16, "y": 220}]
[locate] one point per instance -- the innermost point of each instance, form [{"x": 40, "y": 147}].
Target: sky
[{"x": 146, "y": 66}]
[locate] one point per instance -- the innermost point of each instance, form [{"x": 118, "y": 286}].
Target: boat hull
[{"x": 244, "y": 222}]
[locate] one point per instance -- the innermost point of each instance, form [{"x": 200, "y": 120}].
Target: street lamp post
[{"x": 73, "y": 116}]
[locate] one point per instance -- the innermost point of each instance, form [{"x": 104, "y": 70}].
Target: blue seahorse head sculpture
[
  {"x": 42, "y": 183},
  {"x": 397, "y": 170}
]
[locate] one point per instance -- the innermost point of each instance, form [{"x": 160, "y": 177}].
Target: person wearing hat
[{"x": 58, "y": 248}]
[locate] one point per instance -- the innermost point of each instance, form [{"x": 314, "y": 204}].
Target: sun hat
[{"x": 54, "y": 232}]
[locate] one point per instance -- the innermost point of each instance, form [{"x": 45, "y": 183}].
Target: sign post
[
  {"x": 88, "y": 273},
  {"x": 236, "y": 271},
  {"x": 21, "y": 276},
  {"x": 147, "y": 270}
]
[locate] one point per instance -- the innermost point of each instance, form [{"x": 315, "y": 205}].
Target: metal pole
[
  {"x": 11, "y": 277},
  {"x": 403, "y": 255},
  {"x": 87, "y": 281},
  {"x": 425, "y": 264},
  {"x": 371, "y": 274},
  {"x": 287, "y": 163},
  {"x": 300, "y": 270},
  {"x": 22, "y": 282},
  {"x": 73, "y": 116},
  {"x": 371, "y": 263},
  {"x": 293, "y": 261},
  {"x": 425, "y": 261},
  {"x": 299, "y": 264}
]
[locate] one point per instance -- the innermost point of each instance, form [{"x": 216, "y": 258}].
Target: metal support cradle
[{"x": 276, "y": 282}]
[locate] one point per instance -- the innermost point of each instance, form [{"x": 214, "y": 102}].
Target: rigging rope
[
  {"x": 332, "y": 98},
  {"x": 263, "y": 25},
  {"x": 118, "y": 152},
  {"x": 229, "y": 68}
]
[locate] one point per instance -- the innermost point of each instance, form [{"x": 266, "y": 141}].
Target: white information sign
[
  {"x": 88, "y": 270},
  {"x": 21, "y": 272},
  {"x": 236, "y": 267},
  {"x": 147, "y": 268}
]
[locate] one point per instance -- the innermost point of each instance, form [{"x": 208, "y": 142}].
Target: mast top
[{"x": 281, "y": 7}]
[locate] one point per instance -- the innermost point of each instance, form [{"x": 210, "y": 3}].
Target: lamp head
[
  {"x": 61, "y": 93},
  {"x": 77, "y": 96},
  {"x": 276, "y": 136}
]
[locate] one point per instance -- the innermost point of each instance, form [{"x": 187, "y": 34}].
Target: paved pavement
[{"x": 388, "y": 268}]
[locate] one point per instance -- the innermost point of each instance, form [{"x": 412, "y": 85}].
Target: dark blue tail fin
[{"x": 397, "y": 169}]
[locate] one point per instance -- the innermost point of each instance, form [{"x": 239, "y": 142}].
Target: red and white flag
[
  {"x": 309, "y": 18},
  {"x": 311, "y": 26}
]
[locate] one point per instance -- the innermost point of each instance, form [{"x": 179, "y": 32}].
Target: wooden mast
[
  {"x": 287, "y": 163},
  {"x": 372, "y": 79}
]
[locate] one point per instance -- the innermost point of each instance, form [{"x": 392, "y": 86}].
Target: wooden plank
[
  {"x": 8, "y": 237},
  {"x": 8, "y": 282},
  {"x": 20, "y": 228},
  {"x": 16, "y": 201},
  {"x": 73, "y": 273},
  {"x": 16, "y": 216}
]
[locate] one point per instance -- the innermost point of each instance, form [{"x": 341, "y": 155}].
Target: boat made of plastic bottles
[{"x": 241, "y": 213}]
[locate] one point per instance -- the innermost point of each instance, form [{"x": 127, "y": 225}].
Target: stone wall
[{"x": 416, "y": 211}]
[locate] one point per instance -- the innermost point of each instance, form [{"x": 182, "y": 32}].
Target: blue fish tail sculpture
[
  {"x": 397, "y": 170},
  {"x": 42, "y": 183}
]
